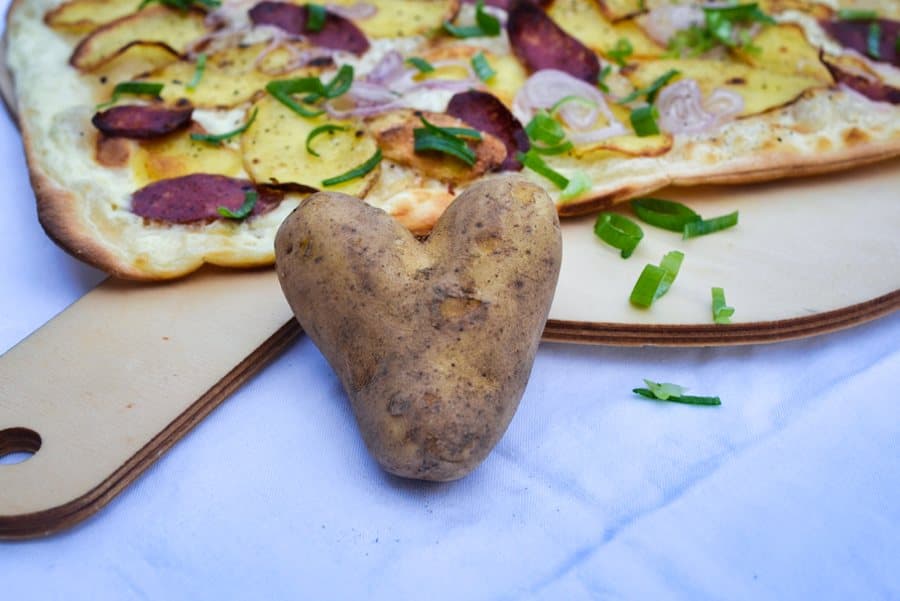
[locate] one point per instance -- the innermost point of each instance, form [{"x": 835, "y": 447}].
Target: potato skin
[{"x": 433, "y": 341}]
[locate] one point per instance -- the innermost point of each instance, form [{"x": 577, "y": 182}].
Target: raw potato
[{"x": 433, "y": 341}]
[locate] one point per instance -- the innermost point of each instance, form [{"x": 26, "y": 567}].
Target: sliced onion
[
  {"x": 683, "y": 110},
  {"x": 548, "y": 86},
  {"x": 663, "y": 22},
  {"x": 358, "y": 11},
  {"x": 386, "y": 70}
]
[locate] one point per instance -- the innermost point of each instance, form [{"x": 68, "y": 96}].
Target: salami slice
[
  {"x": 141, "y": 122},
  {"x": 337, "y": 32},
  {"x": 197, "y": 197},
  {"x": 855, "y": 35},
  {"x": 486, "y": 113},
  {"x": 541, "y": 44}
]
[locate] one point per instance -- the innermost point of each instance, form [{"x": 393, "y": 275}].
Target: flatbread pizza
[{"x": 165, "y": 134}]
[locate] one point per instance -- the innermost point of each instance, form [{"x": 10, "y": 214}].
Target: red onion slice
[
  {"x": 683, "y": 110},
  {"x": 386, "y": 70},
  {"x": 663, "y": 22}
]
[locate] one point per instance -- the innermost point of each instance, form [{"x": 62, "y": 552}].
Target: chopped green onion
[
  {"x": 216, "y": 138},
  {"x": 250, "y": 198},
  {"x": 534, "y": 162},
  {"x": 482, "y": 67},
  {"x": 315, "y": 18},
  {"x": 720, "y": 21},
  {"x": 652, "y": 90},
  {"x": 578, "y": 184},
  {"x": 618, "y": 231},
  {"x": 283, "y": 89},
  {"x": 643, "y": 120},
  {"x": 322, "y": 129},
  {"x": 873, "y": 40},
  {"x": 486, "y": 24},
  {"x": 571, "y": 98},
  {"x": 655, "y": 281},
  {"x": 545, "y": 129},
  {"x": 448, "y": 140},
  {"x": 421, "y": 64},
  {"x": 198, "y": 72},
  {"x": 341, "y": 82},
  {"x": 555, "y": 149},
  {"x": 356, "y": 172},
  {"x": 674, "y": 393},
  {"x": 721, "y": 312},
  {"x": 856, "y": 14},
  {"x": 622, "y": 50},
  {"x": 708, "y": 226},
  {"x": 137, "y": 88},
  {"x": 666, "y": 214},
  {"x": 601, "y": 78}
]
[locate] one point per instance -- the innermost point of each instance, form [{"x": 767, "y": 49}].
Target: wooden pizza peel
[{"x": 806, "y": 259}]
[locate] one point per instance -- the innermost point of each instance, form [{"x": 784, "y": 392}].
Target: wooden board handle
[{"x": 100, "y": 391}]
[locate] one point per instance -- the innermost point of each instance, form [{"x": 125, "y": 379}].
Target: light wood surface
[{"x": 111, "y": 383}]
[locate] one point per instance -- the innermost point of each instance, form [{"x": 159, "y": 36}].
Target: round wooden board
[{"x": 809, "y": 256}]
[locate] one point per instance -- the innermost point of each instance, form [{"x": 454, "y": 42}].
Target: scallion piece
[
  {"x": 721, "y": 312},
  {"x": 622, "y": 50},
  {"x": 856, "y": 14},
  {"x": 569, "y": 99},
  {"x": 653, "y": 89},
  {"x": 618, "y": 231},
  {"x": 673, "y": 392},
  {"x": 545, "y": 129},
  {"x": 555, "y": 149},
  {"x": 482, "y": 67},
  {"x": 873, "y": 40},
  {"x": 655, "y": 280},
  {"x": 666, "y": 214},
  {"x": 250, "y": 198},
  {"x": 671, "y": 263},
  {"x": 199, "y": 69},
  {"x": 643, "y": 120},
  {"x": 315, "y": 17},
  {"x": 578, "y": 184},
  {"x": 448, "y": 140},
  {"x": 217, "y": 138},
  {"x": 534, "y": 162},
  {"x": 354, "y": 173},
  {"x": 322, "y": 129},
  {"x": 601, "y": 78},
  {"x": 136, "y": 88},
  {"x": 282, "y": 91},
  {"x": 340, "y": 83},
  {"x": 421, "y": 64},
  {"x": 708, "y": 226},
  {"x": 486, "y": 24}
]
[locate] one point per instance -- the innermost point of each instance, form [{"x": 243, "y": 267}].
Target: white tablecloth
[{"x": 790, "y": 489}]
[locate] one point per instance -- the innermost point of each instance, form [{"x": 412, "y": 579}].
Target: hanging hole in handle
[{"x": 18, "y": 445}]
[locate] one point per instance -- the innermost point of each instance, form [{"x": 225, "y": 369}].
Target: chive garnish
[
  {"x": 719, "y": 28},
  {"x": 721, "y": 312},
  {"x": 618, "y": 231},
  {"x": 486, "y": 24},
  {"x": 534, "y": 162},
  {"x": 622, "y": 50},
  {"x": 198, "y": 72},
  {"x": 136, "y": 88},
  {"x": 315, "y": 17},
  {"x": 655, "y": 280},
  {"x": 666, "y": 214},
  {"x": 562, "y": 148},
  {"x": 421, "y": 64},
  {"x": 545, "y": 129},
  {"x": 856, "y": 14},
  {"x": 578, "y": 184},
  {"x": 216, "y": 138},
  {"x": 569, "y": 99},
  {"x": 448, "y": 140},
  {"x": 708, "y": 226},
  {"x": 652, "y": 90},
  {"x": 601, "y": 78},
  {"x": 356, "y": 172},
  {"x": 322, "y": 129},
  {"x": 250, "y": 198},
  {"x": 673, "y": 392},
  {"x": 482, "y": 67},
  {"x": 643, "y": 120},
  {"x": 284, "y": 89},
  {"x": 873, "y": 40}
]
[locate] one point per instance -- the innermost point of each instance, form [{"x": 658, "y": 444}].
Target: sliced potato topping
[
  {"x": 83, "y": 16},
  {"x": 761, "y": 89},
  {"x": 583, "y": 20},
  {"x": 394, "y": 132},
  {"x": 230, "y": 77},
  {"x": 399, "y": 18},
  {"x": 509, "y": 76},
  {"x": 274, "y": 150},
  {"x": 157, "y": 24},
  {"x": 619, "y": 9},
  {"x": 633, "y": 145},
  {"x": 785, "y": 49},
  {"x": 177, "y": 154},
  {"x": 130, "y": 63}
]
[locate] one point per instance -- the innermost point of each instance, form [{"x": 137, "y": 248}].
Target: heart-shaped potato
[{"x": 433, "y": 341}]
